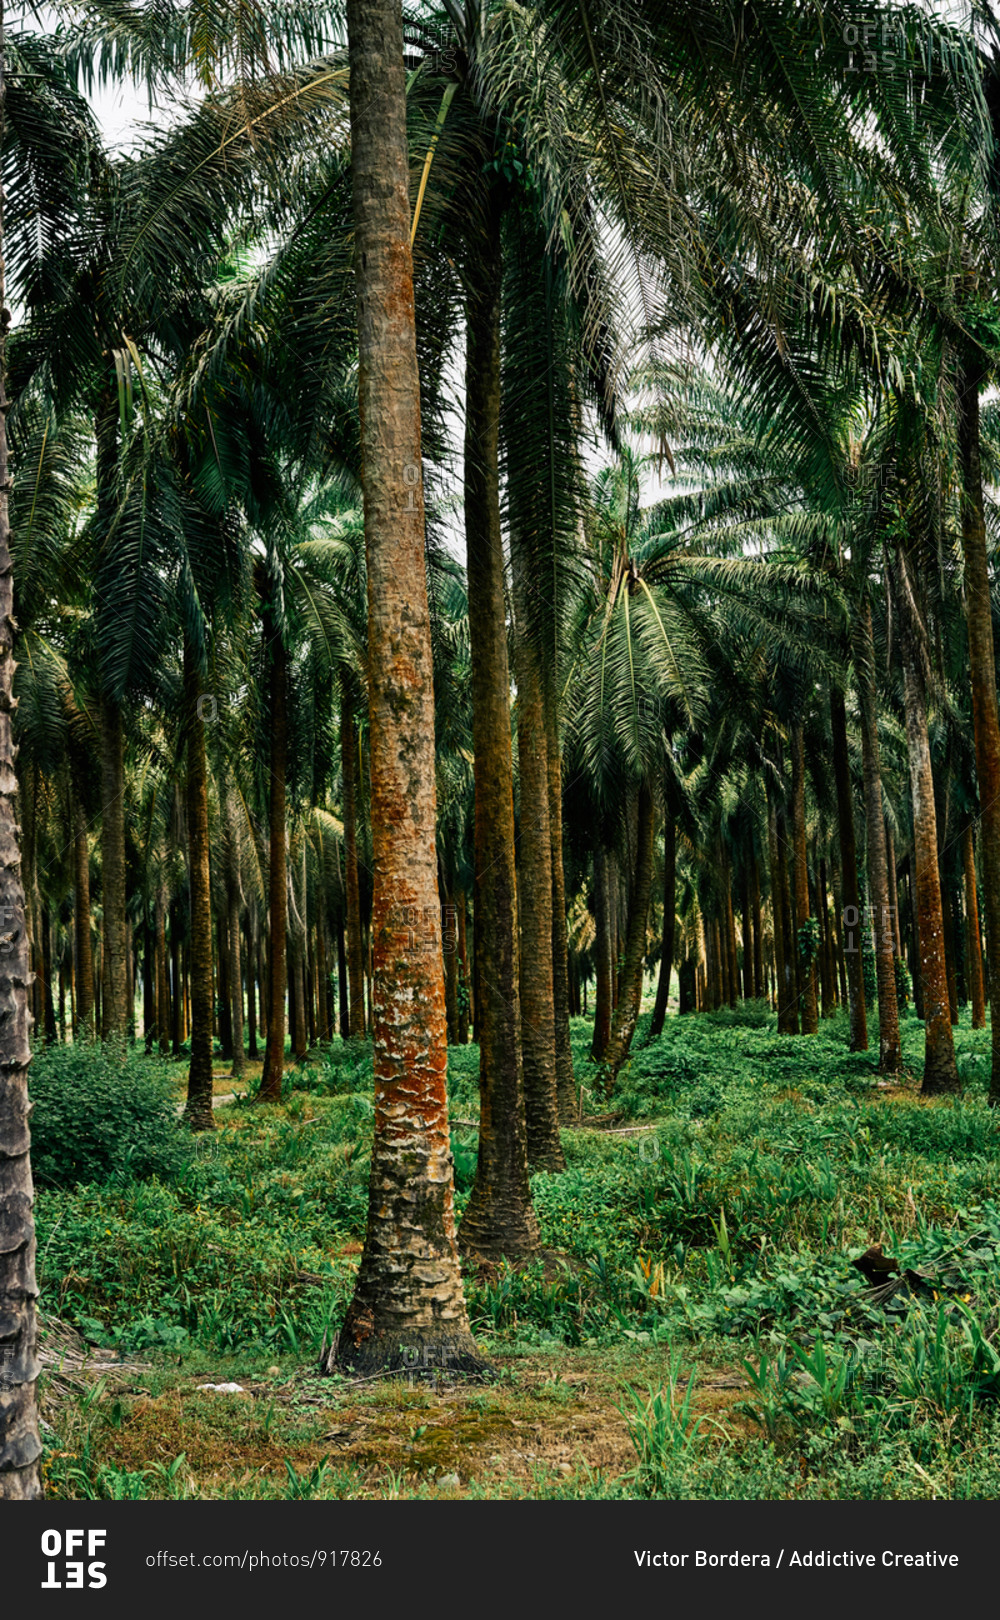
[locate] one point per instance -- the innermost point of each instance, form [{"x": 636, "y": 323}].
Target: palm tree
[
  {"x": 20, "y": 1441},
  {"x": 408, "y": 1299}
]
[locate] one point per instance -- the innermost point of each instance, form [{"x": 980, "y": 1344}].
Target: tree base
[
  {"x": 942, "y": 1082},
  {"x": 413, "y": 1353}
]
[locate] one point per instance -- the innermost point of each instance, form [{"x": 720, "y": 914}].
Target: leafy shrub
[{"x": 96, "y": 1116}]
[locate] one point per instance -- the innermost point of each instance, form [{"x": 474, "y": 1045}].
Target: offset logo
[{"x": 67, "y": 1567}]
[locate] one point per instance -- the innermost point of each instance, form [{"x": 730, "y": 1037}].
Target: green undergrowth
[{"x": 717, "y": 1218}]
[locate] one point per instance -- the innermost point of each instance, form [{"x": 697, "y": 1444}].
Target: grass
[{"x": 694, "y": 1328}]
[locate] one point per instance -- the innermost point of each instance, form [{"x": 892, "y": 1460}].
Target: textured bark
[
  {"x": 986, "y": 727},
  {"x": 807, "y": 972},
  {"x": 162, "y": 992},
  {"x": 235, "y": 940},
  {"x": 913, "y": 943},
  {"x": 973, "y": 944},
  {"x": 827, "y": 975},
  {"x": 747, "y": 927},
  {"x": 849, "y": 868},
  {"x": 878, "y": 877},
  {"x": 788, "y": 1016},
  {"x": 355, "y": 949},
  {"x": 720, "y": 964},
  {"x": 176, "y": 986},
  {"x": 667, "y": 936},
  {"x": 344, "y": 1018},
  {"x": 223, "y": 1013},
  {"x": 759, "y": 988},
  {"x": 251, "y": 977},
  {"x": 627, "y": 1011},
  {"x": 408, "y": 1303},
  {"x": 450, "y": 940},
  {"x": 148, "y": 984},
  {"x": 277, "y": 880},
  {"x": 614, "y": 887},
  {"x": 236, "y": 984},
  {"x": 950, "y": 942},
  {"x": 732, "y": 948},
  {"x": 890, "y": 861},
  {"x": 463, "y": 959},
  {"x": 311, "y": 981},
  {"x": 20, "y": 1443},
  {"x": 603, "y": 959},
  {"x": 565, "y": 1079},
  {"x": 499, "y": 1218},
  {"x": 198, "y": 1109},
  {"x": 534, "y": 889},
  {"x": 940, "y": 1068},
  {"x": 114, "y": 986},
  {"x": 838, "y": 934},
  {"x": 324, "y": 1010},
  {"x": 300, "y": 1044},
  {"x": 84, "y": 1023},
  {"x": 48, "y": 1010}
]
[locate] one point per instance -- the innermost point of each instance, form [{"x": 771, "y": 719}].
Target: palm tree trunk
[
  {"x": 160, "y": 954},
  {"x": 176, "y": 990},
  {"x": 81, "y": 914},
  {"x": 986, "y": 727},
  {"x": 355, "y": 951},
  {"x": 234, "y": 940},
  {"x": 223, "y": 1005},
  {"x": 940, "y": 1068},
  {"x": 499, "y": 1218},
  {"x": 603, "y": 959},
  {"x": 450, "y": 945},
  {"x": 878, "y": 875},
  {"x": 342, "y": 996},
  {"x": 463, "y": 958},
  {"x": 759, "y": 988},
  {"x": 808, "y": 1008},
  {"x": 114, "y": 988},
  {"x": 300, "y": 1046},
  {"x": 251, "y": 961},
  {"x": 20, "y": 1443},
  {"x": 848, "y": 867},
  {"x": 950, "y": 942},
  {"x": 198, "y": 1109},
  {"x": 667, "y": 937},
  {"x": 729, "y": 918},
  {"x": 788, "y": 1016},
  {"x": 565, "y": 1079},
  {"x": 890, "y": 861},
  {"x": 534, "y": 888},
  {"x": 277, "y": 880},
  {"x": 627, "y": 1011},
  {"x": 837, "y": 975},
  {"x": 148, "y": 983},
  {"x": 827, "y": 976},
  {"x": 614, "y": 896},
  {"x": 720, "y": 963},
  {"x": 324, "y": 1030},
  {"x": 747, "y": 928},
  {"x": 408, "y": 1301},
  {"x": 236, "y": 983},
  {"x": 973, "y": 946}
]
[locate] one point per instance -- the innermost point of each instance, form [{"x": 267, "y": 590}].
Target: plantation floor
[
  {"x": 545, "y": 1427},
  {"x": 696, "y": 1327}
]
